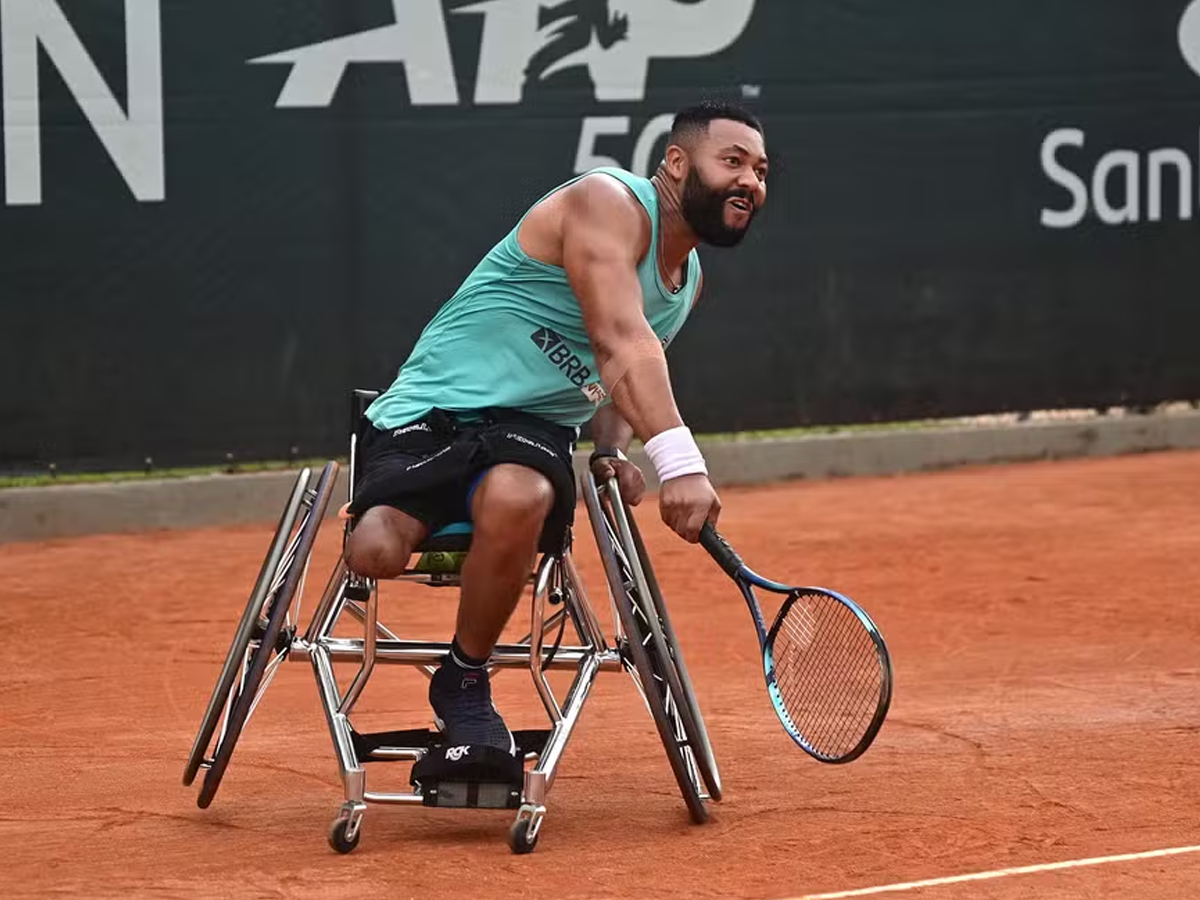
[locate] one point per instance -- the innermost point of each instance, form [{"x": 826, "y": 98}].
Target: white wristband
[{"x": 674, "y": 453}]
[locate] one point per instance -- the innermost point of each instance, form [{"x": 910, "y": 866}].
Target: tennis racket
[{"x": 827, "y": 667}]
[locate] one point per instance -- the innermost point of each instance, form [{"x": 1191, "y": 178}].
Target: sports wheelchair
[{"x": 644, "y": 645}]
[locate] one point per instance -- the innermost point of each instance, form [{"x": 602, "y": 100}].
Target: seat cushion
[{"x": 454, "y": 538}]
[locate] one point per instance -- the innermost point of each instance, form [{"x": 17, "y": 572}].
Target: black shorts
[{"x": 430, "y": 468}]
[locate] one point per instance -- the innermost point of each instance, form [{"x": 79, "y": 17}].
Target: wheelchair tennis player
[{"x": 565, "y": 321}]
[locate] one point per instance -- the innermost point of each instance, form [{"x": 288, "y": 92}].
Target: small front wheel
[
  {"x": 346, "y": 829},
  {"x": 522, "y": 836}
]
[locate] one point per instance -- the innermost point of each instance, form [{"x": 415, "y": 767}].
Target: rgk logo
[{"x": 523, "y": 42}]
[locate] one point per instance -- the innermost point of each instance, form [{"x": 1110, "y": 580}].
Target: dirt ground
[{"x": 1042, "y": 618}]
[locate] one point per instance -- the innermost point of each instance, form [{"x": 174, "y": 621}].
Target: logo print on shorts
[
  {"x": 454, "y": 754},
  {"x": 521, "y": 439},
  {"x": 419, "y": 426}
]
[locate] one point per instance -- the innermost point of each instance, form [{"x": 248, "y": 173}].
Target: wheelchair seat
[
  {"x": 453, "y": 538},
  {"x": 442, "y": 554}
]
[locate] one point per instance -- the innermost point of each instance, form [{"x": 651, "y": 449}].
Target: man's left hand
[{"x": 630, "y": 479}]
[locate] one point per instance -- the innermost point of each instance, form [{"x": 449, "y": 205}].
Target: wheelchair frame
[{"x": 644, "y": 645}]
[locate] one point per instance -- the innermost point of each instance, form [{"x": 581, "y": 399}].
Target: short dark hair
[{"x": 694, "y": 119}]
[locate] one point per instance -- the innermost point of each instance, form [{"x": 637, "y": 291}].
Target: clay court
[{"x": 1042, "y": 620}]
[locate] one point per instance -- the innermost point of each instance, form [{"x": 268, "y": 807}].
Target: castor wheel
[
  {"x": 523, "y": 835},
  {"x": 346, "y": 828}
]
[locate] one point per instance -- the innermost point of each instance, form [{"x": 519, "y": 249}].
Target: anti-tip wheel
[{"x": 519, "y": 838}]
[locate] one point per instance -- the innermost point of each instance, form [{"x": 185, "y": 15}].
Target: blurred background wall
[{"x": 219, "y": 218}]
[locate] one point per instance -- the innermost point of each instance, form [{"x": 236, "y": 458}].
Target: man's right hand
[{"x": 686, "y": 503}]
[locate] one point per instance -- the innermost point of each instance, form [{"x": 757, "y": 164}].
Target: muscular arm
[
  {"x": 609, "y": 429},
  {"x": 605, "y": 234}
]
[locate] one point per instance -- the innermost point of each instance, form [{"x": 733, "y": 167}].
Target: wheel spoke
[
  {"x": 268, "y": 675},
  {"x": 651, "y": 659}
]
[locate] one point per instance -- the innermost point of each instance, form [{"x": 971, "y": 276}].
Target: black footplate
[
  {"x": 472, "y": 777},
  {"x": 463, "y": 776}
]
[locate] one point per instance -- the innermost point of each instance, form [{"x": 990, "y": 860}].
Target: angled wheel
[
  {"x": 649, "y": 656},
  {"x": 260, "y": 642},
  {"x": 699, "y": 744},
  {"x": 246, "y": 628}
]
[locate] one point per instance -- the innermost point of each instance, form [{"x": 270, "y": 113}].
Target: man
[{"x": 570, "y": 311}]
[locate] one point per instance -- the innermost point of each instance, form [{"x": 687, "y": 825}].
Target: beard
[{"x": 704, "y": 210}]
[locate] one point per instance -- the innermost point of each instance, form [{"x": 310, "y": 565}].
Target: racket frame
[{"x": 747, "y": 579}]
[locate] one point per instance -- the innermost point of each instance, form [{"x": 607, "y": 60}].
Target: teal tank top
[{"x": 512, "y": 336}]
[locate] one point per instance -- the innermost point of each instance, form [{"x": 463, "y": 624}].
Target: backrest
[{"x": 360, "y": 399}]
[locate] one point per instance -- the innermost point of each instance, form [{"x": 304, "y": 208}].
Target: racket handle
[{"x": 720, "y": 550}]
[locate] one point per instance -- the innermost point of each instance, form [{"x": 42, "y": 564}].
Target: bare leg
[
  {"x": 382, "y": 542},
  {"x": 509, "y": 509}
]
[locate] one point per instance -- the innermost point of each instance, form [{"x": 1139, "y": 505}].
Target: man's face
[{"x": 726, "y": 184}]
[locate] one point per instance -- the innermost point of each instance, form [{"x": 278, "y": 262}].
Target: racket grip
[{"x": 726, "y": 557}]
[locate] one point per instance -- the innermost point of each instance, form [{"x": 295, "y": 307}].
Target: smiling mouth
[{"x": 741, "y": 204}]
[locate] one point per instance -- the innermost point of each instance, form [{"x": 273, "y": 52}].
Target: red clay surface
[{"x": 1042, "y": 618}]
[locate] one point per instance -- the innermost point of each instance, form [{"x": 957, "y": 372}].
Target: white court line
[{"x": 1001, "y": 873}]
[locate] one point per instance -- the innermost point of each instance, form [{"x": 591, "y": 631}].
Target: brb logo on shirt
[
  {"x": 559, "y": 353},
  {"x": 550, "y": 342},
  {"x": 523, "y": 43}
]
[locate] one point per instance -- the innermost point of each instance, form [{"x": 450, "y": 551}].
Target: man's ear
[{"x": 676, "y": 162}]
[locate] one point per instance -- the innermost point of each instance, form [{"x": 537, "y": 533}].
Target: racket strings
[{"x": 828, "y": 674}]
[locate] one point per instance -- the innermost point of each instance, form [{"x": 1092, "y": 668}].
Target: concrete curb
[{"x": 70, "y": 510}]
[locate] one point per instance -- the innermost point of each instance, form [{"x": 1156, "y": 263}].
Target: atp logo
[
  {"x": 1189, "y": 35},
  {"x": 523, "y": 44}
]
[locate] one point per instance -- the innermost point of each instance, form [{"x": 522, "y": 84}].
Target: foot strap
[{"x": 365, "y": 745}]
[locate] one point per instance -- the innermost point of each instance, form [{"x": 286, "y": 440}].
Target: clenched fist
[{"x": 686, "y": 503}]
